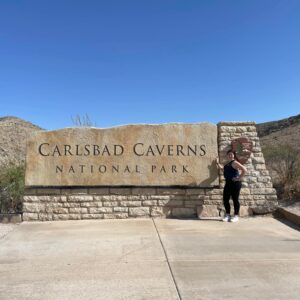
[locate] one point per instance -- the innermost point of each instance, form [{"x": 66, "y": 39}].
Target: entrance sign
[
  {"x": 93, "y": 173},
  {"x": 131, "y": 155}
]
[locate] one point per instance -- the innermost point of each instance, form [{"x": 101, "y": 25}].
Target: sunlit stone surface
[{"x": 137, "y": 155}]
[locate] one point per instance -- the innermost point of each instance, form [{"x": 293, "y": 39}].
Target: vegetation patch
[
  {"x": 283, "y": 161},
  {"x": 11, "y": 188}
]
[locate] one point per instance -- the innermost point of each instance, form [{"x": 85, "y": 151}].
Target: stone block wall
[
  {"x": 107, "y": 203},
  {"x": 257, "y": 195}
]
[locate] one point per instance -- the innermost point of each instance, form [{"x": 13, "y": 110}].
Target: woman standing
[{"x": 233, "y": 173}]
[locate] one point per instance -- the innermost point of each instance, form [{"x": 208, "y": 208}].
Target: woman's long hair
[{"x": 234, "y": 154}]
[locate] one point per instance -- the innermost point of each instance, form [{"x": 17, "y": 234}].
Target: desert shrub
[
  {"x": 284, "y": 164},
  {"x": 11, "y": 188}
]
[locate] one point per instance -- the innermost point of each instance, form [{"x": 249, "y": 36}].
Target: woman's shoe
[
  {"x": 234, "y": 219},
  {"x": 226, "y": 218}
]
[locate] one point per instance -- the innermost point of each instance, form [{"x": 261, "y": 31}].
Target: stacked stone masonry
[
  {"x": 108, "y": 203},
  {"x": 257, "y": 195}
]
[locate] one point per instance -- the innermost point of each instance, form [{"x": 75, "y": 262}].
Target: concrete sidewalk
[{"x": 256, "y": 258}]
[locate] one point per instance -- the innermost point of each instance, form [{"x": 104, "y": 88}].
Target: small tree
[
  {"x": 284, "y": 164},
  {"x": 82, "y": 121}
]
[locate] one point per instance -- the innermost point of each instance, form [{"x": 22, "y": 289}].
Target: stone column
[{"x": 257, "y": 194}]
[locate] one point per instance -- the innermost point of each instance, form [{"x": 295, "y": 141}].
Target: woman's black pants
[{"x": 232, "y": 189}]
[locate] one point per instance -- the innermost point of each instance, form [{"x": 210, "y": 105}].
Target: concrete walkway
[{"x": 256, "y": 258}]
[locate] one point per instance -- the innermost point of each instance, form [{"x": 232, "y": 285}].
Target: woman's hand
[
  {"x": 236, "y": 165},
  {"x": 219, "y": 166}
]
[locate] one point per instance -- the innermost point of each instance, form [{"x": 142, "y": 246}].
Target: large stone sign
[
  {"x": 142, "y": 171},
  {"x": 132, "y": 155}
]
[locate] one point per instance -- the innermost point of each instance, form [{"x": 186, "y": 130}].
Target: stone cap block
[{"x": 236, "y": 123}]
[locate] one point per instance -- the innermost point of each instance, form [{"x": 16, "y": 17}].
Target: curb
[{"x": 290, "y": 214}]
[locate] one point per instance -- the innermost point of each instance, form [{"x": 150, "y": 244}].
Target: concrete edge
[{"x": 289, "y": 214}]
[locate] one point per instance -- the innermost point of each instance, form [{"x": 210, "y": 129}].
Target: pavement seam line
[{"x": 165, "y": 252}]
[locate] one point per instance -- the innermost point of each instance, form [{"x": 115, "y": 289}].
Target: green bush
[{"x": 11, "y": 188}]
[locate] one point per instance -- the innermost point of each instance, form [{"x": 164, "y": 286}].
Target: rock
[
  {"x": 208, "y": 211},
  {"x": 245, "y": 211},
  {"x": 262, "y": 210},
  {"x": 183, "y": 212},
  {"x": 154, "y": 155},
  {"x": 139, "y": 211}
]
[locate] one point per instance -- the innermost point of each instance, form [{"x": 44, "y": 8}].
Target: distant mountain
[
  {"x": 281, "y": 132},
  {"x": 13, "y": 136}
]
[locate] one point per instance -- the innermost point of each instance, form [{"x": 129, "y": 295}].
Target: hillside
[
  {"x": 281, "y": 132},
  {"x": 13, "y": 136}
]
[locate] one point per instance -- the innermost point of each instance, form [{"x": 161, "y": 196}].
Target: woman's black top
[{"x": 230, "y": 172}]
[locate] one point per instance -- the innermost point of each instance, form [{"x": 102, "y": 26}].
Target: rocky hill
[
  {"x": 281, "y": 132},
  {"x": 13, "y": 136}
]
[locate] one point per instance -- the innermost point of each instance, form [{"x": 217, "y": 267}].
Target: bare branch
[{"x": 82, "y": 121}]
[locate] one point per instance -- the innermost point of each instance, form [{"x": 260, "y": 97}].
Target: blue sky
[{"x": 149, "y": 61}]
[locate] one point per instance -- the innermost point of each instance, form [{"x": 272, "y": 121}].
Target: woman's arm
[
  {"x": 236, "y": 165},
  {"x": 219, "y": 166}
]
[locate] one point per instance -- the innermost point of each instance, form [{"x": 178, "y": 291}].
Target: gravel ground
[{"x": 5, "y": 229}]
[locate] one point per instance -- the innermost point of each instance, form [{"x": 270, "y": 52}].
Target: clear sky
[{"x": 149, "y": 61}]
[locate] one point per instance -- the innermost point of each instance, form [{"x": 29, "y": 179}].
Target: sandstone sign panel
[{"x": 131, "y": 155}]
